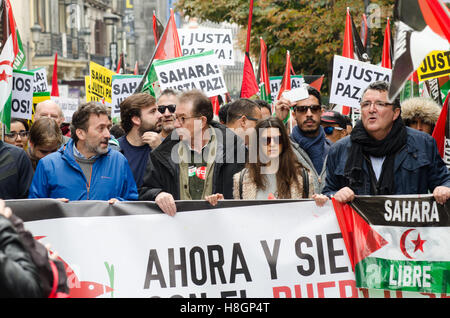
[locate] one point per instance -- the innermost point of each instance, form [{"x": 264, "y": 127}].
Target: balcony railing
[{"x": 65, "y": 45}]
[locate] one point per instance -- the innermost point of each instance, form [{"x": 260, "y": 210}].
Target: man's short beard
[
  {"x": 98, "y": 150},
  {"x": 309, "y": 133},
  {"x": 154, "y": 128}
]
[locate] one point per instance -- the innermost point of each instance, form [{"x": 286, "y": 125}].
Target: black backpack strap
[{"x": 305, "y": 183}]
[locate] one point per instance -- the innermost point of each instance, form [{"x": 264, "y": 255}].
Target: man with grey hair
[
  {"x": 85, "y": 168},
  {"x": 384, "y": 157},
  {"x": 49, "y": 108}
]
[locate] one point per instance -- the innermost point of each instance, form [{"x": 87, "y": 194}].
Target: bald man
[{"x": 51, "y": 109}]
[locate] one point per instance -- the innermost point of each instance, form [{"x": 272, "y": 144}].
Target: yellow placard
[
  {"x": 38, "y": 98},
  {"x": 436, "y": 64},
  {"x": 100, "y": 83}
]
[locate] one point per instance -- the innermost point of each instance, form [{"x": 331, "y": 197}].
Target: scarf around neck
[
  {"x": 364, "y": 144},
  {"x": 314, "y": 146}
]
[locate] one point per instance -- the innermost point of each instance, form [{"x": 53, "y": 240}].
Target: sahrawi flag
[
  {"x": 8, "y": 53},
  {"x": 422, "y": 27},
  {"x": 397, "y": 242}
]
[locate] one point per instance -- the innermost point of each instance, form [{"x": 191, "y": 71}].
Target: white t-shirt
[{"x": 377, "y": 165}]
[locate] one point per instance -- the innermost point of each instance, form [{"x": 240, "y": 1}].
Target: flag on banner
[
  {"x": 8, "y": 53},
  {"x": 168, "y": 47},
  {"x": 420, "y": 29},
  {"x": 397, "y": 243},
  {"x": 55, "y": 88},
  {"x": 249, "y": 85},
  {"x": 441, "y": 131},
  {"x": 157, "y": 28},
  {"x": 386, "y": 57},
  {"x": 264, "y": 82}
]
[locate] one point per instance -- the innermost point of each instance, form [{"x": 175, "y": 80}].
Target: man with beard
[
  {"x": 308, "y": 137},
  {"x": 167, "y": 104},
  {"x": 139, "y": 118},
  {"x": 85, "y": 168},
  {"x": 384, "y": 157}
]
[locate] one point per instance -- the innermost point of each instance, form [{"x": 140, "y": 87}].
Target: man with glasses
[
  {"x": 196, "y": 161},
  {"x": 139, "y": 117},
  {"x": 243, "y": 114},
  {"x": 384, "y": 157},
  {"x": 308, "y": 137},
  {"x": 334, "y": 125},
  {"x": 167, "y": 103}
]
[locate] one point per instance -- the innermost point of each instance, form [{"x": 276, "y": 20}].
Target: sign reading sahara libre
[
  {"x": 199, "y": 40},
  {"x": 199, "y": 71},
  {"x": 398, "y": 242},
  {"x": 351, "y": 78}
]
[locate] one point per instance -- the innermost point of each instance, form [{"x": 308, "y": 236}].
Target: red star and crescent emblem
[
  {"x": 4, "y": 76},
  {"x": 418, "y": 243}
]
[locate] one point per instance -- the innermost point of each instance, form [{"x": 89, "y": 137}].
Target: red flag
[
  {"x": 347, "y": 49},
  {"x": 359, "y": 238},
  {"x": 439, "y": 132},
  {"x": 136, "y": 68},
  {"x": 169, "y": 44},
  {"x": 55, "y": 88},
  {"x": 439, "y": 20},
  {"x": 264, "y": 82},
  {"x": 215, "y": 104},
  {"x": 386, "y": 58},
  {"x": 317, "y": 84},
  {"x": 119, "y": 65},
  {"x": 364, "y": 30},
  {"x": 157, "y": 28},
  {"x": 249, "y": 85},
  {"x": 285, "y": 84}
]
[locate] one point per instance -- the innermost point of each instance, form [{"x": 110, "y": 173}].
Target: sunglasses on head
[
  {"x": 171, "y": 108},
  {"x": 304, "y": 109},
  {"x": 329, "y": 130}
]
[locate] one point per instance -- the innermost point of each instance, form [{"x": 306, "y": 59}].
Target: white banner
[
  {"x": 351, "y": 78},
  {"x": 275, "y": 83},
  {"x": 123, "y": 86},
  {"x": 22, "y": 95},
  {"x": 185, "y": 73},
  {"x": 194, "y": 41},
  {"x": 68, "y": 106},
  {"x": 40, "y": 80}
]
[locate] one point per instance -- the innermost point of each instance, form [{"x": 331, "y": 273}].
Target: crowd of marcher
[{"x": 176, "y": 148}]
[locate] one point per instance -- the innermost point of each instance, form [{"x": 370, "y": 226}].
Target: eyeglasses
[
  {"x": 304, "y": 109},
  {"x": 268, "y": 140},
  {"x": 251, "y": 118},
  {"x": 329, "y": 129},
  {"x": 182, "y": 119},
  {"x": 14, "y": 134},
  {"x": 378, "y": 104},
  {"x": 171, "y": 108}
]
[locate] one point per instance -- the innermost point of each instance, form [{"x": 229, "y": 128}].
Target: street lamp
[{"x": 35, "y": 35}]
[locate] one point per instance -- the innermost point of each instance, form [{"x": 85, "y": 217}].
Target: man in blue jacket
[
  {"x": 384, "y": 157},
  {"x": 85, "y": 168}
]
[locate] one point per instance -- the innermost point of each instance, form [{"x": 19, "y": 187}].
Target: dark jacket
[
  {"x": 16, "y": 172},
  {"x": 19, "y": 276},
  {"x": 418, "y": 167},
  {"x": 162, "y": 173}
]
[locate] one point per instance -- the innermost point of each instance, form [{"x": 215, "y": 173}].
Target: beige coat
[{"x": 249, "y": 187}]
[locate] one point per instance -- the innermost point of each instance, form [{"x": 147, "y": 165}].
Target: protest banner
[
  {"x": 100, "y": 83},
  {"x": 123, "y": 86},
  {"x": 68, "y": 106},
  {"x": 40, "y": 80},
  {"x": 199, "y": 40},
  {"x": 351, "y": 77},
  {"x": 199, "y": 71},
  {"x": 436, "y": 64},
  {"x": 398, "y": 242},
  {"x": 275, "y": 82},
  {"x": 22, "y": 95},
  {"x": 246, "y": 249}
]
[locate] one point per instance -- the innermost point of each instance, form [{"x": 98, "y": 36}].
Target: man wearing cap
[{"x": 334, "y": 125}]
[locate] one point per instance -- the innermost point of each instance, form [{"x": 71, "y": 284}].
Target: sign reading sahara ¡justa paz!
[
  {"x": 435, "y": 65},
  {"x": 199, "y": 71},
  {"x": 275, "y": 83},
  {"x": 100, "y": 82},
  {"x": 123, "y": 86},
  {"x": 351, "y": 78},
  {"x": 398, "y": 243},
  {"x": 245, "y": 249},
  {"x": 40, "y": 80},
  {"x": 22, "y": 95},
  {"x": 194, "y": 41}
]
